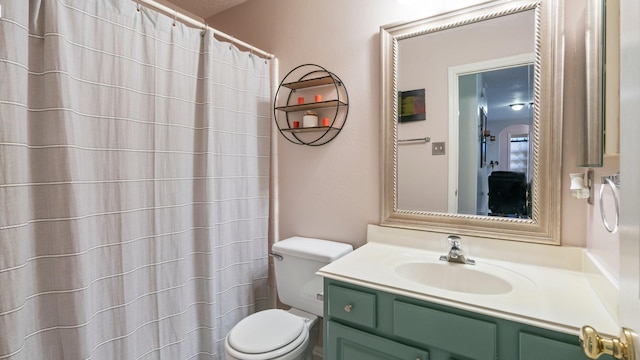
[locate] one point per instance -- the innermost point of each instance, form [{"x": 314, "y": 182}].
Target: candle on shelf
[{"x": 310, "y": 119}]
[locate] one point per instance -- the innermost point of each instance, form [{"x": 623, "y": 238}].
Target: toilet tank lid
[{"x": 313, "y": 249}]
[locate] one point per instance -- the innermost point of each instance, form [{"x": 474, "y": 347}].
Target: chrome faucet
[{"x": 455, "y": 254}]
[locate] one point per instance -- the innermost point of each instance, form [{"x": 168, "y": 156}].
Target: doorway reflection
[{"x": 500, "y": 183}]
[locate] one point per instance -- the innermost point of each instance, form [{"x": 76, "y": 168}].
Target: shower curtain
[{"x": 134, "y": 183}]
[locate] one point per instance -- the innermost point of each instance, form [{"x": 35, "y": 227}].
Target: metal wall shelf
[
  {"x": 311, "y": 129},
  {"x": 286, "y": 108},
  {"x": 325, "y": 80},
  {"x": 311, "y": 106}
]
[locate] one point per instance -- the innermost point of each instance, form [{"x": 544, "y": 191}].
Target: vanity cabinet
[{"x": 362, "y": 323}]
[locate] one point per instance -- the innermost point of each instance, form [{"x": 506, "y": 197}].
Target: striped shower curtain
[{"x": 134, "y": 183}]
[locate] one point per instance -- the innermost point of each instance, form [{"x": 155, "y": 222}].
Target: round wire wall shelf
[{"x": 310, "y": 89}]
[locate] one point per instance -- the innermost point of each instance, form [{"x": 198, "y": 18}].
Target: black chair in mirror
[{"x": 508, "y": 194}]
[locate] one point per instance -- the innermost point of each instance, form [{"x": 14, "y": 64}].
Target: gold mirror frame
[{"x": 544, "y": 226}]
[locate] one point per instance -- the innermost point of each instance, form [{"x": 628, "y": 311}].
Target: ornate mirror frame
[{"x": 544, "y": 225}]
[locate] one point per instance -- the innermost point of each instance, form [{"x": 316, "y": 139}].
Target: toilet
[{"x": 281, "y": 334}]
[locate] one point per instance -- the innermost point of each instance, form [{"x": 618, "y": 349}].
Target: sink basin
[{"x": 455, "y": 277}]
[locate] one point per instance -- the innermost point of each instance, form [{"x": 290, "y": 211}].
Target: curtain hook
[
  {"x": 204, "y": 29},
  {"x": 138, "y": 5},
  {"x": 175, "y": 16},
  {"x": 251, "y": 52}
]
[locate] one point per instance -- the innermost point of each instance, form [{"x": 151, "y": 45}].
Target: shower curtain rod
[{"x": 201, "y": 24}]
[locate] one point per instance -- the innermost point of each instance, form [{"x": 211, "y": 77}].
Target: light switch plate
[{"x": 437, "y": 148}]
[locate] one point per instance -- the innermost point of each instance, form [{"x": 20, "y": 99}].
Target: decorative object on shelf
[
  {"x": 297, "y": 120},
  {"x": 310, "y": 119}
]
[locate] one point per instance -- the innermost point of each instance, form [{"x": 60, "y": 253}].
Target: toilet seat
[{"x": 267, "y": 334}]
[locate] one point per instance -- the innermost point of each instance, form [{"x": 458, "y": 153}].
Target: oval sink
[{"x": 454, "y": 277}]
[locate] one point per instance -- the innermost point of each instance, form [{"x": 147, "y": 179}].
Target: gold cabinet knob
[
  {"x": 595, "y": 345},
  {"x": 348, "y": 308}
]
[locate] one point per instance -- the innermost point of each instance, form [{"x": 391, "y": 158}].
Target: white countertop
[{"x": 558, "y": 298}]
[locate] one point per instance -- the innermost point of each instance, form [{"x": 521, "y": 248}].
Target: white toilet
[{"x": 288, "y": 335}]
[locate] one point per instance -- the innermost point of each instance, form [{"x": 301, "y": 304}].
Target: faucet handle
[{"x": 454, "y": 240}]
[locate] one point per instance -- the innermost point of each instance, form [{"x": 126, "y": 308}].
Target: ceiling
[
  {"x": 206, "y": 8},
  {"x": 508, "y": 86}
]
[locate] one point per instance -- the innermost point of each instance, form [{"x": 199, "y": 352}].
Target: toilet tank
[{"x": 296, "y": 266}]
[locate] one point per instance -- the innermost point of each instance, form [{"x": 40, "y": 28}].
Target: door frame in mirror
[
  {"x": 454, "y": 73},
  {"x": 544, "y": 226}
]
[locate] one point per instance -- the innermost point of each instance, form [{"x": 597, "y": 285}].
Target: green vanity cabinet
[{"x": 366, "y": 324}]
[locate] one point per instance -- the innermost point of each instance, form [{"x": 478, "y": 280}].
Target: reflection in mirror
[
  {"x": 494, "y": 122},
  {"x": 480, "y": 167}
]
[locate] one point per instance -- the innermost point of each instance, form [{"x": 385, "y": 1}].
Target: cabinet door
[
  {"x": 345, "y": 343},
  {"x": 466, "y": 337},
  {"x": 534, "y": 347}
]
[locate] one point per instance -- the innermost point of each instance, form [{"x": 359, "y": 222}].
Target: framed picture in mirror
[{"x": 412, "y": 105}]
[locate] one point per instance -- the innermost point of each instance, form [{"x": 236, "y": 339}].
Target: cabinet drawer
[
  {"x": 354, "y": 306},
  {"x": 533, "y": 347},
  {"x": 472, "y": 338}
]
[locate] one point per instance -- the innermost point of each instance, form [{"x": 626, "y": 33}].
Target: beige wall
[{"x": 332, "y": 191}]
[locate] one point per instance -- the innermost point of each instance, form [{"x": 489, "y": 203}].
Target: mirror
[
  {"x": 455, "y": 151},
  {"x": 600, "y": 133}
]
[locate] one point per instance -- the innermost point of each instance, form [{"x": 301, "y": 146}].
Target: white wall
[{"x": 332, "y": 191}]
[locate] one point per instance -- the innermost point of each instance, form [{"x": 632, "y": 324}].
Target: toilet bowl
[
  {"x": 273, "y": 334},
  {"x": 277, "y": 334}
]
